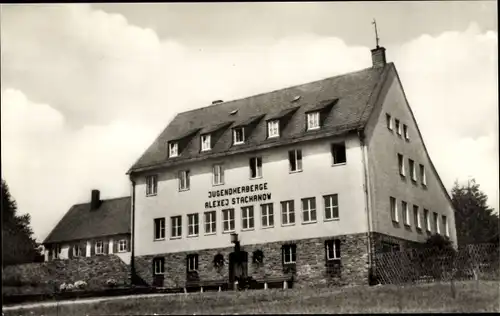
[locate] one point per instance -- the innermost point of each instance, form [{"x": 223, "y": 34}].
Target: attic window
[
  {"x": 173, "y": 149},
  {"x": 273, "y": 128},
  {"x": 313, "y": 120},
  {"x": 238, "y": 135},
  {"x": 233, "y": 112},
  {"x": 296, "y": 98},
  {"x": 205, "y": 142}
]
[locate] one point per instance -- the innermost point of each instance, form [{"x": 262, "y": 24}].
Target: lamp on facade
[{"x": 234, "y": 238}]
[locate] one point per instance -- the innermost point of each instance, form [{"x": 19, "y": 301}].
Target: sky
[{"x": 86, "y": 88}]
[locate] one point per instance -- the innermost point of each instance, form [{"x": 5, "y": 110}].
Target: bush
[
  {"x": 62, "y": 287},
  {"x": 111, "y": 282},
  {"x": 80, "y": 284}
]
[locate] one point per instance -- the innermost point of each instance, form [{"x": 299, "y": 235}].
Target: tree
[
  {"x": 475, "y": 221},
  {"x": 19, "y": 246}
]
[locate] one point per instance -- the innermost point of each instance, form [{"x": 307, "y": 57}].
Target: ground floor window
[
  {"x": 332, "y": 254},
  {"x": 389, "y": 247},
  {"x": 99, "y": 247},
  {"x": 158, "y": 266},
  {"x": 289, "y": 254},
  {"x": 122, "y": 245}
]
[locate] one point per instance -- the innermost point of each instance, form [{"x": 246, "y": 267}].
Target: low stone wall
[
  {"x": 311, "y": 267},
  {"x": 48, "y": 276}
]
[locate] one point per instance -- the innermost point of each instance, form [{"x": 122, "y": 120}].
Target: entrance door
[{"x": 238, "y": 266}]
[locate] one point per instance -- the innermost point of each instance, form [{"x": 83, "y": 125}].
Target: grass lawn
[{"x": 470, "y": 297}]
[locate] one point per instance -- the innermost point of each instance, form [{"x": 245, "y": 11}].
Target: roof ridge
[{"x": 272, "y": 91}]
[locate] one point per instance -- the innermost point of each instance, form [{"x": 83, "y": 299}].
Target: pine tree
[
  {"x": 475, "y": 220},
  {"x": 19, "y": 246}
]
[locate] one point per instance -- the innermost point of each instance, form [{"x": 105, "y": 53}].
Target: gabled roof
[
  {"x": 350, "y": 112},
  {"x": 111, "y": 218}
]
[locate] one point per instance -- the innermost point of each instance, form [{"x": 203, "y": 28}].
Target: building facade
[
  {"x": 314, "y": 179},
  {"x": 101, "y": 227}
]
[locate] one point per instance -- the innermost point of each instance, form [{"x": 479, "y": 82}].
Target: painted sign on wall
[{"x": 234, "y": 196}]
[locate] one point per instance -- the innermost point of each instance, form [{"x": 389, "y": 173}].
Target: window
[
  {"x": 413, "y": 172},
  {"x": 159, "y": 228},
  {"x": 331, "y": 206},
  {"x": 151, "y": 185},
  {"x": 122, "y": 245},
  {"x": 173, "y": 149},
  {"x": 238, "y": 135},
  {"x": 338, "y": 153},
  {"x": 184, "y": 180},
  {"x": 255, "y": 167},
  {"x": 427, "y": 220},
  {"x": 267, "y": 215},
  {"x": 287, "y": 213},
  {"x": 445, "y": 225},
  {"x": 273, "y": 129},
  {"x": 422, "y": 175},
  {"x": 309, "y": 210},
  {"x": 228, "y": 220},
  {"x": 56, "y": 251},
  {"x": 416, "y": 217},
  {"x": 176, "y": 222},
  {"x": 295, "y": 159},
  {"x": 205, "y": 142},
  {"x": 389, "y": 121},
  {"x": 401, "y": 165},
  {"x": 192, "y": 263},
  {"x": 398, "y": 127},
  {"x": 210, "y": 222},
  {"x": 332, "y": 248},
  {"x": 159, "y": 265},
  {"x": 77, "y": 251},
  {"x": 193, "y": 224},
  {"x": 218, "y": 174},
  {"x": 99, "y": 247},
  {"x": 289, "y": 254},
  {"x": 436, "y": 223},
  {"x": 394, "y": 210},
  {"x": 247, "y": 217},
  {"x": 405, "y": 132},
  {"x": 406, "y": 213},
  {"x": 389, "y": 247},
  {"x": 312, "y": 120}
]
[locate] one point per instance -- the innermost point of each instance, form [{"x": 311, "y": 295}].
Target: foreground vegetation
[{"x": 435, "y": 298}]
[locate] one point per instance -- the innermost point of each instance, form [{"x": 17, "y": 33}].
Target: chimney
[
  {"x": 95, "y": 201},
  {"x": 378, "y": 57},
  {"x": 217, "y": 101}
]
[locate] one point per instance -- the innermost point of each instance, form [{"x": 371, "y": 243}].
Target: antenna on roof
[{"x": 376, "y": 32}]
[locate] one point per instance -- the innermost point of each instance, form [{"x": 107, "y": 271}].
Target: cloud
[{"x": 85, "y": 92}]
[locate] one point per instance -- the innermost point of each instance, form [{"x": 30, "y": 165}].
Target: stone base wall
[{"x": 311, "y": 267}]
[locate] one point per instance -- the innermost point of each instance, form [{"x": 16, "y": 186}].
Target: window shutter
[
  {"x": 70, "y": 251},
  {"x": 337, "y": 248},
  {"x": 106, "y": 246},
  {"x": 83, "y": 246},
  {"x": 92, "y": 249},
  {"x": 115, "y": 246},
  {"x": 259, "y": 162},
  {"x": 290, "y": 157}
]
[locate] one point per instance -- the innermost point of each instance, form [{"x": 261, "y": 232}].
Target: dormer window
[
  {"x": 205, "y": 142},
  {"x": 173, "y": 149},
  {"x": 273, "y": 129},
  {"x": 238, "y": 135},
  {"x": 313, "y": 120}
]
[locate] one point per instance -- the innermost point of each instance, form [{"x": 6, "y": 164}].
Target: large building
[
  {"x": 97, "y": 228},
  {"x": 312, "y": 180}
]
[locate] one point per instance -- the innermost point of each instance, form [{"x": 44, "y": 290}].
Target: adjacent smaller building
[{"x": 100, "y": 227}]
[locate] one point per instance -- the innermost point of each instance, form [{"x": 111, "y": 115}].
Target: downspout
[
  {"x": 132, "y": 239},
  {"x": 366, "y": 189}
]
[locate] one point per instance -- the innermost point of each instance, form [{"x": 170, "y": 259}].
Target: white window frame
[
  {"x": 286, "y": 212},
  {"x": 419, "y": 222},
  {"x": 210, "y": 220},
  {"x": 313, "y": 120},
  {"x": 413, "y": 169},
  {"x": 398, "y": 126},
  {"x": 310, "y": 210},
  {"x": 444, "y": 219},
  {"x": 401, "y": 165},
  {"x": 427, "y": 219},
  {"x": 192, "y": 262},
  {"x": 151, "y": 185},
  {"x": 330, "y": 206},
  {"x": 332, "y": 244},
  {"x": 394, "y": 209},
  {"x": 436, "y": 223},
  {"x": 229, "y": 220},
  {"x": 406, "y": 212},
  {"x": 388, "y": 119},
  {"x": 76, "y": 251},
  {"x": 288, "y": 250},
  {"x": 173, "y": 149},
  {"x": 159, "y": 266},
  {"x": 176, "y": 223},
  {"x": 206, "y": 142},
  {"x": 405, "y": 132},
  {"x": 332, "y": 152},
  {"x": 273, "y": 128},
  {"x": 267, "y": 214},
  {"x": 423, "y": 178},
  {"x": 298, "y": 162},
  {"x": 122, "y": 245},
  {"x": 161, "y": 222},
  {"x": 193, "y": 225},
  {"x": 258, "y": 170},
  {"x": 235, "y": 135},
  {"x": 247, "y": 217},
  {"x": 56, "y": 251},
  {"x": 218, "y": 174},
  {"x": 101, "y": 244},
  {"x": 184, "y": 183}
]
